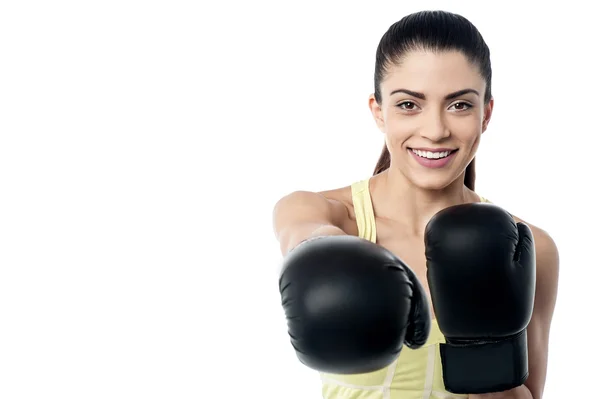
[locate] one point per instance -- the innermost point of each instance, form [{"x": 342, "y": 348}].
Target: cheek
[
  {"x": 395, "y": 137},
  {"x": 398, "y": 129},
  {"x": 467, "y": 130}
]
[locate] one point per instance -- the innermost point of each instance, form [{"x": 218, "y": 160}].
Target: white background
[{"x": 144, "y": 144}]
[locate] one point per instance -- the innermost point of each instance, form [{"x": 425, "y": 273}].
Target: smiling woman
[
  {"x": 427, "y": 156},
  {"x": 432, "y": 101},
  {"x": 458, "y": 70}
]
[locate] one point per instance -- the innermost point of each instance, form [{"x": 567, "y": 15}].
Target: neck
[{"x": 395, "y": 198}]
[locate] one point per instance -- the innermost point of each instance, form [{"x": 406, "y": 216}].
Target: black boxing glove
[
  {"x": 351, "y": 304},
  {"x": 481, "y": 274}
]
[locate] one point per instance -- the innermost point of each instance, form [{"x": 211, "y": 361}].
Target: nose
[{"x": 434, "y": 127}]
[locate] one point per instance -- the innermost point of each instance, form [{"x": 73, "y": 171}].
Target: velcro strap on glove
[{"x": 485, "y": 367}]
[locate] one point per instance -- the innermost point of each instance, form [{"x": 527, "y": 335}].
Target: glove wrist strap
[{"x": 485, "y": 367}]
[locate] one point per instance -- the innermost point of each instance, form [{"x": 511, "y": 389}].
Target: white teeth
[{"x": 432, "y": 155}]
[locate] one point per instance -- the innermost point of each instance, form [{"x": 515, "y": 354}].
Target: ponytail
[
  {"x": 384, "y": 163},
  {"x": 470, "y": 175}
]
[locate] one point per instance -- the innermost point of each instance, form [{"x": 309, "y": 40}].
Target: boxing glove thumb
[{"x": 419, "y": 322}]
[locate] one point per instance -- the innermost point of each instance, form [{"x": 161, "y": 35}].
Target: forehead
[{"x": 434, "y": 73}]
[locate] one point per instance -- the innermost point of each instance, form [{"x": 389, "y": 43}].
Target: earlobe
[
  {"x": 487, "y": 115},
  {"x": 484, "y": 126},
  {"x": 376, "y": 112}
]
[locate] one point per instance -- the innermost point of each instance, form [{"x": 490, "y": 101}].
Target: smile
[
  {"x": 433, "y": 159},
  {"x": 432, "y": 154}
]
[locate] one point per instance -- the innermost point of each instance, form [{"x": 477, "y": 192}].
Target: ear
[
  {"x": 487, "y": 115},
  {"x": 376, "y": 112}
]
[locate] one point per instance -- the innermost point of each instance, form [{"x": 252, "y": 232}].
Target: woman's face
[{"x": 432, "y": 113}]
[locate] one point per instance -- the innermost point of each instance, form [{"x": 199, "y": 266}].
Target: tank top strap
[
  {"x": 363, "y": 209},
  {"x": 482, "y": 199}
]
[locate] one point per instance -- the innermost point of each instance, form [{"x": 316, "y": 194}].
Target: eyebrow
[{"x": 422, "y": 96}]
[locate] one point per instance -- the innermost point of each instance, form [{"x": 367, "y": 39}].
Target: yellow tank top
[{"x": 416, "y": 373}]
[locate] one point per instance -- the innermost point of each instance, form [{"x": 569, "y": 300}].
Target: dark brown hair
[{"x": 434, "y": 31}]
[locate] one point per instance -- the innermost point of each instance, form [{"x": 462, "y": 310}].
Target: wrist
[
  {"x": 484, "y": 366},
  {"x": 520, "y": 392}
]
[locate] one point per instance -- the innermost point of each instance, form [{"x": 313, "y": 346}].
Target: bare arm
[{"x": 303, "y": 214}]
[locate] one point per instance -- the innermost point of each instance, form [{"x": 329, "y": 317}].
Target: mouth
[{"x": 433, "y": 158}]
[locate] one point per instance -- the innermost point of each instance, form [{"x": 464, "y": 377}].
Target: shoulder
[
  {"x": 546, "y": 250},
  {"x": 338, "y": 200},
  {"x": 341, "y": 195}
]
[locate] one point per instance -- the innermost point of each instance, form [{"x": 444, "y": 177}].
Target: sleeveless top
[{"x": 416, "y": 373}]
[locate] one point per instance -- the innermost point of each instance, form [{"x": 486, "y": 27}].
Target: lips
[
  {"x": 431, "y": 153},
  {"x": 433, "y": 158}
]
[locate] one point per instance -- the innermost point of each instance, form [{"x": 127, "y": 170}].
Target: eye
[
  {"x": 407, "y": 105},
  {"x": 461, "y": 106}
]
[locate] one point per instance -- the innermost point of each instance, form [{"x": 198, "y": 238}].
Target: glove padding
[
  {"x": 351, "y": 304},
  {"x": 481, "y": 275}
]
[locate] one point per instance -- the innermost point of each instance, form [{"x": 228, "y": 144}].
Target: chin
[
  {"x": 433, "y": 183},
  {"x": 435, "y": 178}
]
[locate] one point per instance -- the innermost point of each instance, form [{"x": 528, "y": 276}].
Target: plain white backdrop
[{"x": 144, "y": 144}]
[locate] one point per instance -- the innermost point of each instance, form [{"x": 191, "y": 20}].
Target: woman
[{"x": 432, "y": 101}]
